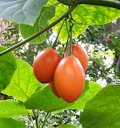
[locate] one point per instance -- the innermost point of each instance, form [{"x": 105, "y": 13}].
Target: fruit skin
[
  {"x": 69, "y": 78},
  {"x": 52, "y": 86},
  {"x": 45, "y": 64},
  {"x": 79, "y": 52}
]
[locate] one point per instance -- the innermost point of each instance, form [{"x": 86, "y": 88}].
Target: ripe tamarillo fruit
[
  {"x": 52, "y": 86},
  {"x": 45, "y": 64},
  {"x": 69, "y": 78},
  {"x": 79, "y": 52}
]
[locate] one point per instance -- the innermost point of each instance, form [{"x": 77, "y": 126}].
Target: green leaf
[
  {"x": 95, "y": 15},
  {"x": 48, "y": 101},
  {"x": 67, "y": 126},
  {"x": 103, "y": 111},
  {"x": 7, "y": 68},
  {"x": 23, "y": 82},
  {"x": 22, "y": 11},
  {"x": 11, "y": 123},
  {"x": 94, "y": 88},
  {"x": 83, "y": 16},
  {"x": 45, "y": 100},
  {"x": 27, "y": 30},
  {"x": 11, "y": 108}
]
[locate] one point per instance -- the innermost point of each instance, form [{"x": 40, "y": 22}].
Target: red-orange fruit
[
  {"x": 45, "y": 64},
  {"x": 69, "y": 78}
]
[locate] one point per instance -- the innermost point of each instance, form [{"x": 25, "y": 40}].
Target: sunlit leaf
[
  {"x": 11, "y": 108},
  {"x": 23, "y": 82},
  {"x": 7, "y": 68}
]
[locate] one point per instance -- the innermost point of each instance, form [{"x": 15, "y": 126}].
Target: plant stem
[
  {"x": 32, "y": 122},
  {"x": 101, "y": 3},
  {"x": 54, "y": 44},
  {"x": 40, "y": 32},
  {"x": 45, "y": 120},
  {"x": 70, "y": 36},
  {"x": 66, "y": 23},
  {"x": 36, "y": 118},
  {"x": 105, "y": 3}
]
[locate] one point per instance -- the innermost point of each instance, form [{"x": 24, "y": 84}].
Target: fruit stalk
[{"x": 70, "y": 35}]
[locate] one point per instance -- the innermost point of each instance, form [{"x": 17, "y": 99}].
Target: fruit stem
[
  {"x": 70, "y": 36},
  {"x": 54, "y": 44}
]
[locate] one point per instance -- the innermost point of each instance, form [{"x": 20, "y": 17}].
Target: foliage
[
  {"x": 21, "y": 11},
  {"x": 106, "y": 110},
  {"x": 11, "y": 108},
  {"x": 39, "y": 23},
  {"x": 42, "y": 21},
  {"x": 11, "y": 123},
  {"x": 23, "y": 82},
  {"x": 8, "y": 67}
]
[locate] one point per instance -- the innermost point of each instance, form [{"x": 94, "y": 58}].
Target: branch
[
  {"x": 40, "y": 32},
  {"x": 101, "y": 3},
  {"x": 106, "y": 3}
]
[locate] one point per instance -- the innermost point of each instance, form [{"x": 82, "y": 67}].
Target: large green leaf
[
  {"x": 45, "y": 100},
  {"x": 103, "y": 111},
  {"x": 49, "y": 102},
  {"x": 7, "y": 67},
  {"x": 41, "y": 23},
  {"x": 11, "y": 108},
  {"x": 23, "y": 82},
  {"x": 11, "y": 123},
  {"x": 83, "y": 16},
  {"x": 95, "y": 15},
  {"x": 22, "y": 11}
]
